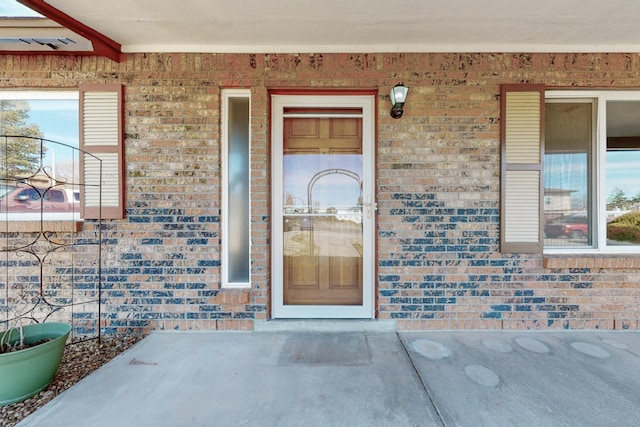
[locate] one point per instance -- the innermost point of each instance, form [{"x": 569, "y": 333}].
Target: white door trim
[{"x": 367, "y": 104}]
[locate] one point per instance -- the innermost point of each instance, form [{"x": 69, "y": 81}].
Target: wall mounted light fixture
[{"x": 398, "y": 98}]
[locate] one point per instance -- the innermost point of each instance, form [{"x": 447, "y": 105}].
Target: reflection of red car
[
  {"x": 29, "y": 199},
  {"x": 574, "y": 227}
]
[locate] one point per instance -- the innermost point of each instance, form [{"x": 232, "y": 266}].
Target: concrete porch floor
[{"x": 317, "y": 376}]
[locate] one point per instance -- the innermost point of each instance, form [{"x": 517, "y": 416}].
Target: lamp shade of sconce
[{"x": 398, "y": 98}]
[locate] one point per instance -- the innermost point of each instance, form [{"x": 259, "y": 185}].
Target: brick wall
[{"x": 438, "y": 169}]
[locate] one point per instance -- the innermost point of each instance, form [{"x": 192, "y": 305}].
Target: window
[
  {"x": 567, "y": 156},
  {"x": 589, "y": 180},
  {"x": 236, "y": 241},
  {"x": 43, "y": 131},
  {"x": 30, "y": 122},
  {"x": 593, "y": 154}
]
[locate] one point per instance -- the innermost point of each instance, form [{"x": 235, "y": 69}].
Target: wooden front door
[
  {"x": 322, "y": 170},
  {"x": 325, "y": 212}
]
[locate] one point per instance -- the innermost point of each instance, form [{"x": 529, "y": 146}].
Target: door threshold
[{"x": 324, "y": 325}]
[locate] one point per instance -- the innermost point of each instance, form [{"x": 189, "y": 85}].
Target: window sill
[
  {"x": 44, "y": 226},
  {"x": 602, "y": 261}
]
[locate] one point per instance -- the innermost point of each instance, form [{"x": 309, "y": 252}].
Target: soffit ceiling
[{"x": 301, "y": 26}]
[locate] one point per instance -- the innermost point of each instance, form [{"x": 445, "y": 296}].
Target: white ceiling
[{"x": 363, "y": 25}]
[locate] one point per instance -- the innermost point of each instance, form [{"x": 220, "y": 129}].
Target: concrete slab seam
[{"x": 424, "y": 385}]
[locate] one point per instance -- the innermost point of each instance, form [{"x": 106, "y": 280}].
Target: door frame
[{"x": 367, "y": 103}]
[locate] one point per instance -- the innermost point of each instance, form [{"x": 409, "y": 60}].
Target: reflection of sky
[
  {"x": 333, "y": 190},
  {"x": 57, "y": 119},
  {"x": 623, "y": 172}
]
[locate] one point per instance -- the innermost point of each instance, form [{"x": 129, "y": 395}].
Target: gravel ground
[{"x": 79, "y": 360}]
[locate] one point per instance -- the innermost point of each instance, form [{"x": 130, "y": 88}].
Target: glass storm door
[{"x": 323, "y": 210}]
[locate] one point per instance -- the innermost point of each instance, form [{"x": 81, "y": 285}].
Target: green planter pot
[{"x": 26, "y": 372}]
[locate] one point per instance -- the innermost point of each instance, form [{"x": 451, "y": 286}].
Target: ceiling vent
[
  {"x": 39, "y": 35},
  {"x": 52, "y": 43}
]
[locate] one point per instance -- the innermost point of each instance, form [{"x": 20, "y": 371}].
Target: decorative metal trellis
[{"x": 51, "y": 258}]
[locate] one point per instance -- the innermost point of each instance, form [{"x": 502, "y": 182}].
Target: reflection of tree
[
  {"x": 19, "y": 155},
  {"x": 619, "y": 200}
]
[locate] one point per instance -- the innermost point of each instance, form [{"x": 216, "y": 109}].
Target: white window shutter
[
  {"x": 102, "y": 138},
  {"x": 522, "y": 127}
]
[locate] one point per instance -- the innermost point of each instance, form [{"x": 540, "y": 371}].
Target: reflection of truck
[
  {"x": 574, "y": 227},
  {"x": 25, "y": 198}
]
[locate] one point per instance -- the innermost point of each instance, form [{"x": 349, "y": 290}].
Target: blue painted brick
[
  {"x": 173, "y": 227},
  {"x": 195, "y": 316},
  {"x": 186, "y": 234},
  {"x": 208, "y": 292},
  {"x": 411, "y": 263},
  {"x": 163, "y": 219},
  {"x": 492, "y": 315},
  {"x": 197, "y": 241},
  {"x": 222, "y": 315},
  {"x": 400, "y": 315},
  {"x": 241, "y": 315},
  {"x": 524, "y": 292},
  {"x": 139, "y": 219},
  {"x": 152, "y": 241},
  {"x": 582, "y": 285},
  {"x": 557, "y": 314},
  {"x": 388, "y": 292}
]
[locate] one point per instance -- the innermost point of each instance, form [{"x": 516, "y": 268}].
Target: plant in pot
[
  {"x": 29, "y": 358},
  {"x": 30, "y": 368}
]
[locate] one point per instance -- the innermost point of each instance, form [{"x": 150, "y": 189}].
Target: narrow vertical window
[
  {"x": 236, "y": 240},
  {"x": 567, "y": 160}
]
